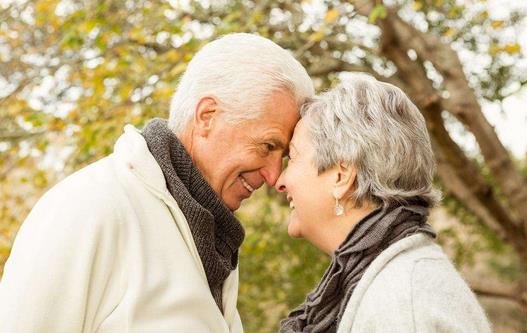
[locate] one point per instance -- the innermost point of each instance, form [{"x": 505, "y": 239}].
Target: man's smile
[{"x": 246, "y": 184}]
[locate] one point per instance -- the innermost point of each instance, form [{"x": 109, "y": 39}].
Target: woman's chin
[{"x": 293, "y": 228}]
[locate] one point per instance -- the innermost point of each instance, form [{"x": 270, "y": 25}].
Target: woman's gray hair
[
  {"x": 375, "y": 127},
  {"x": 241, "y": 71}
]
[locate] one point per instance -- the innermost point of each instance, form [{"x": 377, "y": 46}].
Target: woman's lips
[{"x": 291, "y": 203}]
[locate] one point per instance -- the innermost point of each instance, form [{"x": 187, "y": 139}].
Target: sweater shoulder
[
  {"x": 385, "y": 290},
  {"x": 403, "y": 264},
  {"x": 442, "y": 300},
  {"x": 418, "y": 290},
  {"x": 413, "y": 268},
  {"x": 397, "y": 264}
]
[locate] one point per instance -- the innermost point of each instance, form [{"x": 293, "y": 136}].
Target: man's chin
[{"x": 232, "y": 204}]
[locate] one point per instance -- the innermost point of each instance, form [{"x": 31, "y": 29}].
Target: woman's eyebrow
[{"x": 291, "y": 147}]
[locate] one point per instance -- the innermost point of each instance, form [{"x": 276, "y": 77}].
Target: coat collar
[{"x": 131, "y": 149}]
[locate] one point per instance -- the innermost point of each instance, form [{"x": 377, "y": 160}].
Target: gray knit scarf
[
  {"x": 323, "y": 308},
  {"x": 216, "y": 231}
]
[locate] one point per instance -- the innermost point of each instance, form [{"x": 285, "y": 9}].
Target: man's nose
[{"x": 271, "y": 171}]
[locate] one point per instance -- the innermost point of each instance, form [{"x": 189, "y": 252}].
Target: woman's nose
[{"x": 280, "y": 184}]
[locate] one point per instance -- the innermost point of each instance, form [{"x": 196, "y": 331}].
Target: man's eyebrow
[{"x": 279, "y": 144}]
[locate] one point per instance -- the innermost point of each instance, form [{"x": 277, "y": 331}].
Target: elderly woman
[{"x": 359, "y": 181}]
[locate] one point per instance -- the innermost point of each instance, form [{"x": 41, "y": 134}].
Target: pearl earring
[{"x": 339, "y": 209}]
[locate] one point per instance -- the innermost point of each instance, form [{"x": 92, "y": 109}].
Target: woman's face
[{"x": 309, "y": 194}]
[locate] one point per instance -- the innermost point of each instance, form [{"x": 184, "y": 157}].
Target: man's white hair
[
  {"x": 241, "y": 71},
  {"x": 375, "y": 127}
]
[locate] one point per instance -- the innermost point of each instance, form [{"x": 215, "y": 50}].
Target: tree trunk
[{"x": 464, "y": 105}]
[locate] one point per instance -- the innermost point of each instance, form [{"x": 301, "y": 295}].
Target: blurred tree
[{"x": 73, "y": 73}]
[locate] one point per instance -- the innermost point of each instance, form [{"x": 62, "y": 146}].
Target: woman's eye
[{"x": 269, "y": 146}]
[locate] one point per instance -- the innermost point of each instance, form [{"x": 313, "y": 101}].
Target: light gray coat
[{"x": 413, "y": 287}]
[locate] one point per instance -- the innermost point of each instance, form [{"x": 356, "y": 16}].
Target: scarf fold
[
  {"x": 323, "y": 308},
  {"x": 217, "y": 233}
]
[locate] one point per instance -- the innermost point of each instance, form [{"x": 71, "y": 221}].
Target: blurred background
[{"x": 73, "y": 73}]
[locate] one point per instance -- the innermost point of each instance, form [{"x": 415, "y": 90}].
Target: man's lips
[{"x": 245, "y": 184}]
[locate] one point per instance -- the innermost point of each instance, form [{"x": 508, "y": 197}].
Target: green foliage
[
  {"x": 472, "y": 29},
  {"x": 467, "y": 250},
  {"x": 377, "y": 12}
]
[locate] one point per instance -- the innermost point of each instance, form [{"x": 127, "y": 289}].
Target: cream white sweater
[
  {"x": 412, "y": 287},
  {"x": 109, "y": 250}
]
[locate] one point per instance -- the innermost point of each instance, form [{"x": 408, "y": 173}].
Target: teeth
[
  {"x": 246, "y": 185},
  {"x": 291, "y": 205}
]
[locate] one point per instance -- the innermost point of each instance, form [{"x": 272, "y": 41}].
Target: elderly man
[{"x": 145, "y": 240}]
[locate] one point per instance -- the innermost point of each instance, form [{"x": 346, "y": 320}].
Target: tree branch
[
  {"x": 19, "y": 88},
  {"x": 459, "y": 174},
  {"x": 19, "y": 135},
  {"x": 514, "y": 293},
  {"x": 465, "y": 182},
  {"x": 464, "y": 105},
  {"x": 158, "y": 48},
  {"x": 333, "y": 65}
]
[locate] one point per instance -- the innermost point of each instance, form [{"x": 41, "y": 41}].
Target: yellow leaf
[
  {"x": 378, "y": 11},
  {"x": 256, "y": 17},
  {"x": 512, "y": 48},
  {"x": 163, "y": 92},
  {"x": 173, "y": 55},
  {"x": 178, "y": 69},
  {"x": 497, "y": 24},
  {"x": 56, "y": 124},
  {"x": 450, "y": 32},
  {"x": 417, "y": 5},
  {"x": 494, "y": 49},
  {"x": 137, "y": 34},
  {"x": 332, "y": 15},
  {"x": 42, "y": 6},
  {"x": 125, "y": 91},
  {"x": 87, "y": 26},
  {"x": 316, "y": 36}
]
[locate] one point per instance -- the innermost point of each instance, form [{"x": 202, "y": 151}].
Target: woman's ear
[
  {"x": 346, "y": 175},
  {"x": 206, "y": 110}
]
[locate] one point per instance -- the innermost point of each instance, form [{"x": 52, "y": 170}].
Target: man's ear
[
  {"x": 346, "y": 175},
  {"x": 206, "y": 111}
]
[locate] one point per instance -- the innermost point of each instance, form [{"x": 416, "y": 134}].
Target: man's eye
[{"x": 269, "y": 146}]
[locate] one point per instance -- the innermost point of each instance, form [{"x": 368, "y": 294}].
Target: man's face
[{"x": 237, "y": 159}]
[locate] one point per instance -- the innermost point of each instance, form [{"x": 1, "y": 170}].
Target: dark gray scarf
[
  {"x": 216, "y": 231},
  {"x": 323, "y": 308}
]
